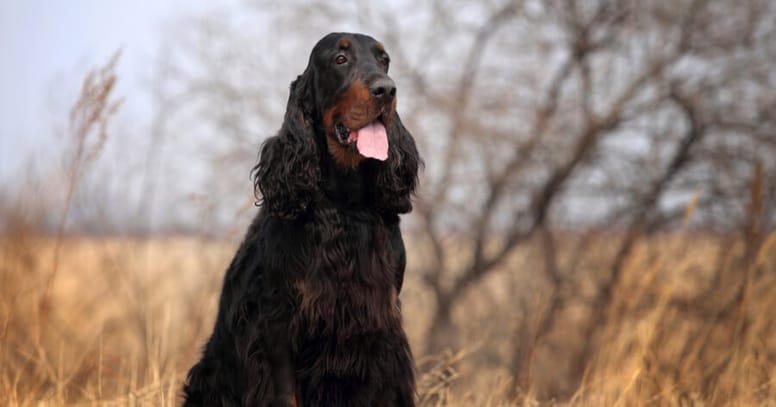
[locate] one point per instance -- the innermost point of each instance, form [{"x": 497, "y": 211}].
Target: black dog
[{"x": 309, "y": 314}]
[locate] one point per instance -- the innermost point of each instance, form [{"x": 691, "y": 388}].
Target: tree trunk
[{"x": 442, "y": 334}]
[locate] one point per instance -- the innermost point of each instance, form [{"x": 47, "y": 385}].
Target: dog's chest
[{"x": 349, "y": 287}]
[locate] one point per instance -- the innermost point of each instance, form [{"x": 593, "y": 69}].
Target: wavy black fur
[{"x": 309, "y": 314}]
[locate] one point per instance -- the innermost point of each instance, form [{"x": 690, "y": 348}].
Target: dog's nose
[{"x": 383, "y": 89}]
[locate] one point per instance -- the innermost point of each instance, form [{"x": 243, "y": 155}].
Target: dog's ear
[
  {"x": 398, "y": 177},
  {"x": 288, "y": 173}
]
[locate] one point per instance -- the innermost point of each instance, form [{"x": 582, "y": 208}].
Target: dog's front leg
[
  {"x": 281, "y": 367},
  {"x": 267, "y": 355}
]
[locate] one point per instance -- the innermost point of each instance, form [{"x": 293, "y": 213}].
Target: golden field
[{"x": 123, "y": 318}]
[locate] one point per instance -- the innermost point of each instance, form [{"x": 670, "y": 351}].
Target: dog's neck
[{"x": 351, "y": 188}]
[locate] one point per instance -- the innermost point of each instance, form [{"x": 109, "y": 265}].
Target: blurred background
[{"x": 594, "y": 225}]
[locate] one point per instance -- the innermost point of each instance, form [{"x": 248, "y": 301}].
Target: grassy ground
[{"x": 122, "y": 319}]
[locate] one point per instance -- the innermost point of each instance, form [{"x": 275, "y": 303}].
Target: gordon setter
[{"x": 309, "y": 313}]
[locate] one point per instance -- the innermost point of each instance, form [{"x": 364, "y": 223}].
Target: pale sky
[{"x": 47, "y": 46}]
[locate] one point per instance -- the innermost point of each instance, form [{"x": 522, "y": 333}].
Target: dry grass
[
  {"x": 127, "y": 316},
  {"x": 112, "y": 328}
]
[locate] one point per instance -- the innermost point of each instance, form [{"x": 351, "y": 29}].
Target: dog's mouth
[
  {"x": 371, "y": 140},
  {"x": 342, "y": 132}
]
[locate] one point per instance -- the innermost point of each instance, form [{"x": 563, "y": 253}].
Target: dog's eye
[
  {"x": 385, "y": 59},
  {"x": 340, "y": 59}
]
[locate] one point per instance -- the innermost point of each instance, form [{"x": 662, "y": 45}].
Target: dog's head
[
  {"x": 357, "y": 96},
  {"x": 343, "y": 105}
]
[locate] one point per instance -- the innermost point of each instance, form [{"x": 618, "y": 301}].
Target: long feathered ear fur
[
  {"x": 288, "y": 173},
  {"x": 398, "y": 177}
]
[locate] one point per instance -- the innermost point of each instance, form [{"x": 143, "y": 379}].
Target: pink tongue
[{"x": 372, "y": 141}]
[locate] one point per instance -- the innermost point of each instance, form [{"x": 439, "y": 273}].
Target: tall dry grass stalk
[{"x": 89, "y": 118}]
